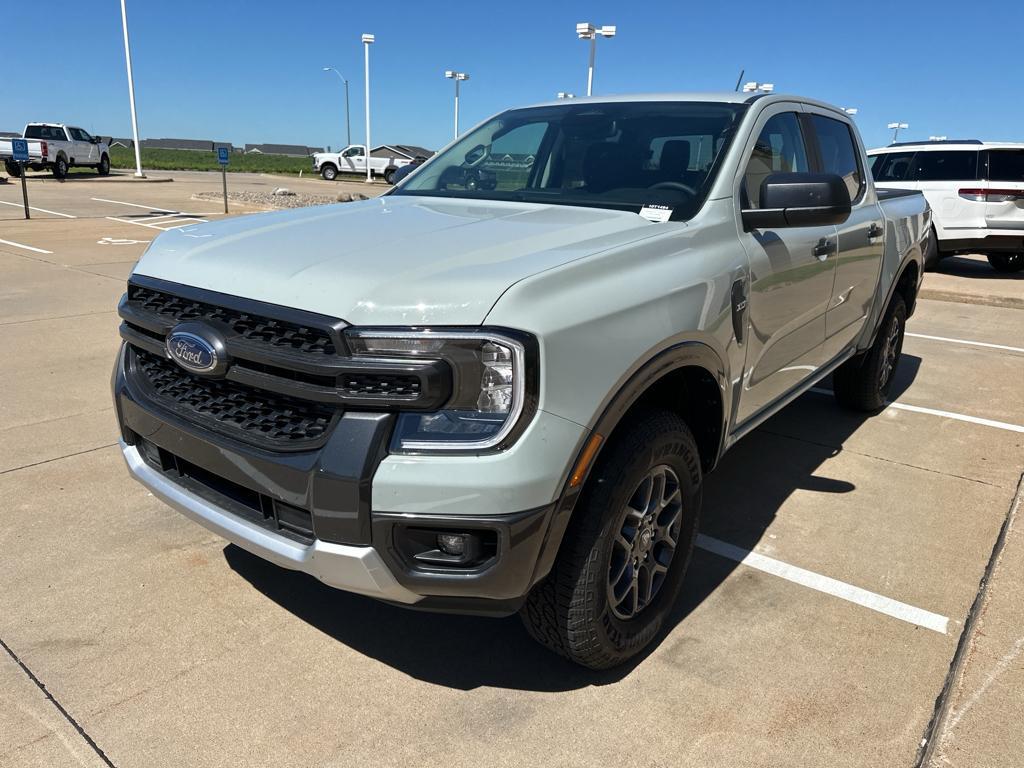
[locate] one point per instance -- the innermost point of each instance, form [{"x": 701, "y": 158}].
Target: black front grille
[
  {"x": 255, "y": 415},
  {"x": 364, "y": 384},
  {"x": 251, "y": 327}
]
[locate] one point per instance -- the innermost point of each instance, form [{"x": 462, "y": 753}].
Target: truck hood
[{"x": 395, "y": 260}]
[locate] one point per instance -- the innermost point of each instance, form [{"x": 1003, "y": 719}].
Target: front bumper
[{"x": 355, "y": 506}]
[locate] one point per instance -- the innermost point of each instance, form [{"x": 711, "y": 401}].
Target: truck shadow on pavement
[
  {"x": 960, "y": 266},
  {"x": 741, "y": 499}
]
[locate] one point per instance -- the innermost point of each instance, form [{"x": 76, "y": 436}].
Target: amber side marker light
[{"x": 585, "y": 460}]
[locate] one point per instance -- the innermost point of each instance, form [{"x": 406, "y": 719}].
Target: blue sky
[{"x": 252, "y": 71}]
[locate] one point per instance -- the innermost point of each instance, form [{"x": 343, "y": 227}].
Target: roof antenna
[{"x": 740, "y": 79}]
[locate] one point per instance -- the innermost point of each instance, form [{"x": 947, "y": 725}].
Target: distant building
[
  {"x": 288, "y": 150},
  {"x": 408, "y": 151},
  {"x": 126, "y": 143},
  {"x": 9, "y": 135}
]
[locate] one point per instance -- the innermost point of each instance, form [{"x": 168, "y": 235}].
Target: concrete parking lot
[{"x": 854, "y": 600}]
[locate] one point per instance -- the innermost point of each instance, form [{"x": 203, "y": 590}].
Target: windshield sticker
[{"x": 659, "y": 214}]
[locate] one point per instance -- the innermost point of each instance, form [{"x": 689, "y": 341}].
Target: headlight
[{"x": 493, "y": 384}]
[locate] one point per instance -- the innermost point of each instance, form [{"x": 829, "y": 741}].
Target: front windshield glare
[{"x": 622, "y": 155}]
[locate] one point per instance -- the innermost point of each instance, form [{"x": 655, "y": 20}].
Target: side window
[
  {"x": 77, "y": 134},
  {"x": 839, "y": 152},
  {"x": 353, "y": 152},
  {"x": 946, "y": 166},
  {"x": 892, "y": 166},
  {"x": 779, "y": 149},
  {"x": 1006, "y": 165}
]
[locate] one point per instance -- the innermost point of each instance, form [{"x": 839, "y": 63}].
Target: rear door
[
  {"x": 861, "y": 242},
  {"x": 791, "y": 270},
  {"x": 940, "y": 174},
  {"x": 1004, "y": 192}
]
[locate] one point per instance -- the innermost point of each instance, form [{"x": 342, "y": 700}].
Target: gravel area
[{"x": 269, "y": 200}]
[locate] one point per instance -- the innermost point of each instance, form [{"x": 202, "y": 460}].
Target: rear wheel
[
  {"x": 627, "y": 548},
  {"x": 931, "y": 252},
  {"x": 13, "y": 169},
  {"x": 1006, "y": 262},
  {"x": 60, "y": 167},
  {"x": 329, "y": 172},
  {"x": 104, "y": 166},
  {"x": 863, "y": 383}
]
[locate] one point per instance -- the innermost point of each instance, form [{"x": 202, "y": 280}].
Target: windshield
[{"x": 623, "y": 155}]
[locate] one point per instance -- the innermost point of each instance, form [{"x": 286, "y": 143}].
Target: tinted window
[
  {"x": 839, "y": 152},
  {"x": 892, "y": 166},
  {"x": 779, "y": 149},
  {"x": 1006, "y": 165},
  {"x": 946, "y": 166},
  {"x": 35, "y": 132}
]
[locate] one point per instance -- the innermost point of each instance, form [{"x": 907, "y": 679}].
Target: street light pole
[
  {"x": 131, "y": 91},
  {"x": 348, "y": 122},
  {"x": 587, "y": 31},
  {"x": 367, "y": 40},
  {"x": 896, "y": 129},
  {"x": 457, "y": 77}
]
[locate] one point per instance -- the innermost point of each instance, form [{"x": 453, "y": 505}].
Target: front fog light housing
[{"x": 491, "y": 386}]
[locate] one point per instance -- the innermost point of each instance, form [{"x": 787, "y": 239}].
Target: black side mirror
[{"x": 799, "y": 200}]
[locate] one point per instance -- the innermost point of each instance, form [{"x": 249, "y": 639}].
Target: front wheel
[
  {"x": 863, "y": 382},
  {"x": 1006, "y": 262},
  {"x": 389, "y": 175},
  {"x": 60, "y": 168},
  {"x": 104, "y": 167},
  {"x": 329, "y": 172},
  {"x": 627, "y": 549}
]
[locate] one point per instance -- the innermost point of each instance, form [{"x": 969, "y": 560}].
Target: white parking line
[
  {"x": 827, "y": 585},
  {"x": 965, "y": 341},
  {"x": 945, "y": 414},
  {"x": 26, "y": 247},
  {"x": 41, "y": 210},
  {"x": 133, "y": 205}
]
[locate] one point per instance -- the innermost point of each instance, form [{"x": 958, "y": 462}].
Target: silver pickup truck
[{"x": 501, "y": 390}]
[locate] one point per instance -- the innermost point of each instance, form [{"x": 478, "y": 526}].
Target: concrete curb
[{"x": 1012, "y": 302}]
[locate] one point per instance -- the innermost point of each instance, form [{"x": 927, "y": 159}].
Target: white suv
[{"x": 975, "y": 189}]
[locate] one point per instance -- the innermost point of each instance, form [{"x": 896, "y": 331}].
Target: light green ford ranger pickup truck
[{"x": 498, "y": 387}]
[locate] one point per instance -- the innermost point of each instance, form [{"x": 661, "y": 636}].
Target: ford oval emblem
[{"x": 192, "y": 352}]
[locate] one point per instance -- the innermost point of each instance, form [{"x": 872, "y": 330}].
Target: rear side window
[
  {"x": 1006, "y": 165},
  {"x": 839, "y": 152},
  {"x": 892, "y": 166},
  {"x": 946, "y": 166}
]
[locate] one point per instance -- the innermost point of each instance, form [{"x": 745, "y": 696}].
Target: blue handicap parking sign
[
  {"x": 19, "y": 148},
  {"x": 222, "y": 155}
]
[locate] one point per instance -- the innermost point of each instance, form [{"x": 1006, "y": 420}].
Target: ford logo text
[{"x": 192, "y": 352}]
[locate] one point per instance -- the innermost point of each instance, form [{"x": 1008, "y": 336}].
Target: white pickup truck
[
  {"x": 352, "y": 159},
  {"x": 58, "y": 147}
]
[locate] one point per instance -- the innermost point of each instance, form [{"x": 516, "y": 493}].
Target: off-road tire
[
  {"x": 60, "y": 167},
  {"x": 329, "y": 172},
  {"x": 569, "y": 611},
  {"x": 863, "y": 382},
  {"x": 103, "y": 168},
  {"x": 1006, "y": 262}
]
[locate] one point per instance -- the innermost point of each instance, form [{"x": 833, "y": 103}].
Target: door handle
[
  {"x": 875, "y": 230},
  {"x": 823, "y": 249}
]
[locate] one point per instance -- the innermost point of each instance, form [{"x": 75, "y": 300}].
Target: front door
[
  {"x": 791, "y": 271},
  {"x": 353, "y": 160}
]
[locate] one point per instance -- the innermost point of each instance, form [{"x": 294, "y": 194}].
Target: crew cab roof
[{"x": 721, "y": 97}]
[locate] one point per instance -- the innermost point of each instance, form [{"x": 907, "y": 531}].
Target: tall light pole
[
  {"x": 587, "y": 31},
  {"x": 458, "y": 77},
  {"x": 896, "y": 130},
  {"x": 348, "y": 123},
  {"x": 367, "y": 40},
  {"x": 131, "y": 92}
]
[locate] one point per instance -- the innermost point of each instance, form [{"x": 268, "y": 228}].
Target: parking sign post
[
  {"x": 222, "y": 158},
  {"x": 19, "y": 147}
]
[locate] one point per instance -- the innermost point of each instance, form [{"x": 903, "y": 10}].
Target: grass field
[{"x": 189, "y": 160}]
